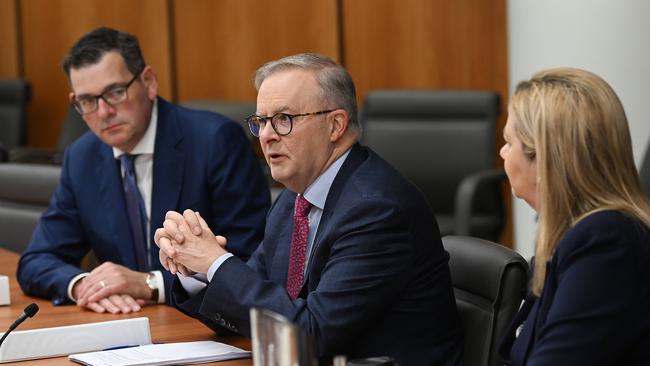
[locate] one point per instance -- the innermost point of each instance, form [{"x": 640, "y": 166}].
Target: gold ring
[{"x": 102, "y": 284}]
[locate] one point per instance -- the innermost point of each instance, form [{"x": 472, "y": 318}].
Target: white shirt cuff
[
  {"x": 72, "y": 283},
  {"x": 191, "y": 284},
  {"x": 216, "y": 264},
  {"x": 194, "y": 284},
  {"x": 161, "y": 289}
]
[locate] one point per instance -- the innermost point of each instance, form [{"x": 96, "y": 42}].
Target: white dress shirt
[{"x": 143, "y": 165}]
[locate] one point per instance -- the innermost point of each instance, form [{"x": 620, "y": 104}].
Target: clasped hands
[
  {"x": 187, "y": 245},
  {"x": 113, "y": 288}
]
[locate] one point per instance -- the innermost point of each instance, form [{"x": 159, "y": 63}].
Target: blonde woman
[{"x": 568, "y": 155}]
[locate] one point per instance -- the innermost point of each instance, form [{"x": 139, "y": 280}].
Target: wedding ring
[{"x": 102, "y": 284}]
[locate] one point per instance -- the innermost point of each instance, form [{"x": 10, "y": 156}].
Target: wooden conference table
[{"x": 167, "y": 324}]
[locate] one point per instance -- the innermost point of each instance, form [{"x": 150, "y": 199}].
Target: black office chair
[
  {"x": 25, "y": 192},
  {"x": 73, "y": 127},
  {"x": 14, "y": 95},
  {"x": 489, "y": 284},
  {"x": 235, "y": 110},
  {"x": 444, "y": 142}
]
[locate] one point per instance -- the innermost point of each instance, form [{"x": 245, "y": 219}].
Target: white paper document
[
  {"x": 62, "y": 341},
  {"x": 162, "y": 354}
]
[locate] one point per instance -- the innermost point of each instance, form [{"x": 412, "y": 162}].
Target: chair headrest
[
  {"x": 477, "y": 265},
  {"x": 14, "y": 91},
  {"x": 428, "y": 103}
]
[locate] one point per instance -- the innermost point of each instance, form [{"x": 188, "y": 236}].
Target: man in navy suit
[
  {"x": 178, "y": 158},
  {"x": 351, "y": 253}
]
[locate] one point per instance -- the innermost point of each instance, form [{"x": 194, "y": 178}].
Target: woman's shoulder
[
  {"x": 610, "y": 221},
  {"x": 607, "y": 230}
]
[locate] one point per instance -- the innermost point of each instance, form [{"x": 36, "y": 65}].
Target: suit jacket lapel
[
  {"x": 281, "y": 237},
  {"x": 357, "y": 156},
  {"x": 168, "y": 167},
  {"x": 111, "y": 196},
  {"x": 527, "y": 334}
]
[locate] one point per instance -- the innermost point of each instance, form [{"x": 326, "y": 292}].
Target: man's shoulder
[
  {"x": 87, "y": 146},
  {"x": 376, "y": 177}
]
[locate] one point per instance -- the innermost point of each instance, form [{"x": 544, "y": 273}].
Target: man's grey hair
[{"x": 336, "y": 86}]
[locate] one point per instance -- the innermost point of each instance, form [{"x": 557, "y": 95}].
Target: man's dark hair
[{"x": 90, "y": 49}]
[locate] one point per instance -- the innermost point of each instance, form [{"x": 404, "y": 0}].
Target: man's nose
[
  {"x": 267, "y": 133},
  {"x": 103, "y": 108}
]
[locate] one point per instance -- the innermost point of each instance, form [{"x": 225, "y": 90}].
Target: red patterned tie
[{"x": 298, "y": 246}]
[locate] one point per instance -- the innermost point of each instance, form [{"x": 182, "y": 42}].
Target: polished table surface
[{"x": 167, "y": 324}]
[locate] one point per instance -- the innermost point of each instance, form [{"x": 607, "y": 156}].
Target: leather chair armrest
[{"x": 465, "y": 197}]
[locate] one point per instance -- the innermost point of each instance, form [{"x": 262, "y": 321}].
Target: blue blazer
[
  {"x": 595, "y": 306},
  {"x": 377, "y": 281},
  {"x": 202, "y": 161}
]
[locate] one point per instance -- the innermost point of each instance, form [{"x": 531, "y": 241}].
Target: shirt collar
[
  {"x": 317, "y": 192},
  {"x": 146, "y": 144}
]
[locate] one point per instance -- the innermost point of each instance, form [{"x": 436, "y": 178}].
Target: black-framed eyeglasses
[
  {"x": 282, "y": 123},
  {"x": 113, "y": 96}
]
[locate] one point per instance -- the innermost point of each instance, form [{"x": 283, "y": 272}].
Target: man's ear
[
  {"x": 71, "y": 97},
  {"x": 338, "y": 124},
  {"x": 150, "y": 80}
]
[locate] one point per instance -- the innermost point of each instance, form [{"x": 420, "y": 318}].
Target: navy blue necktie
[{"x": 136, "y": 211}]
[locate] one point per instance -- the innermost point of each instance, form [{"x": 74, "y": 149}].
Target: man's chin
[
  {"x": 279, "y": 175},
  {"x": 115, "y": 141}
]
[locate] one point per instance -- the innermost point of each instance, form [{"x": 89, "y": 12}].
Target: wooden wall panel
[
  {"x": 9, "y": 51},
  {"x": 457, "y": 44},
  {"x": 209, "y": 49},
  {"x": 49, "y": 29},
  {"x": 429, "y": 44},
  {"x": 220, "y": 44}
]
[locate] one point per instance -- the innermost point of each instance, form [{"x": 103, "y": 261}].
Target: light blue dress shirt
[{"x": 316, "y": 194}]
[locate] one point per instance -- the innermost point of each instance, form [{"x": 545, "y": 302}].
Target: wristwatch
[{"x": 152, "y": 282}]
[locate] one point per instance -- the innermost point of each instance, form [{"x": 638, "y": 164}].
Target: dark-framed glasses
[
  {"x": 282, "y": 123},
  {"x": 88, "y": 103}
]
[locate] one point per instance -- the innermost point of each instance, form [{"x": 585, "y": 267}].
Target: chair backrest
[
  {"x": 436, "y": 138},
  {"x": 14, "y": 95},
  {"x": 235, "y": 110},
  {"x": 489, "y": 284},
  {"x": 73, "y": 127},
  {"x": 25, "y": 192}
]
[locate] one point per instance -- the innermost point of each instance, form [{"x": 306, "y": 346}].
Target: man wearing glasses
[
  {"x": 143, "y": 158},
  {"x": 351, "y": 251}
]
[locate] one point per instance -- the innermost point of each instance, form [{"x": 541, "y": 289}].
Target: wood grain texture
[
  {"x": 9, "y": 62},
  {"x": 429, "y": 44},
  {"x": 426, "y": 44},
  {"x": 166, "y": 323},
  {"x": 206, "y": 49},
  {"x": 220, "y": 44},
  {"x": 50, "y": 28}
]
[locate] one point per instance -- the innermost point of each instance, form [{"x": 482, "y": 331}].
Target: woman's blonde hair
[{"x": 574, "y": 125}]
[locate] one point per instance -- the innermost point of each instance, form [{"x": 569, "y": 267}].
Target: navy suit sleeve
[
  {"x": 57, "y": 247},
  {"x": 368, "y": 266},
  {"x": 239, "y": 191},
  {"x": 598, "y": 285}
]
